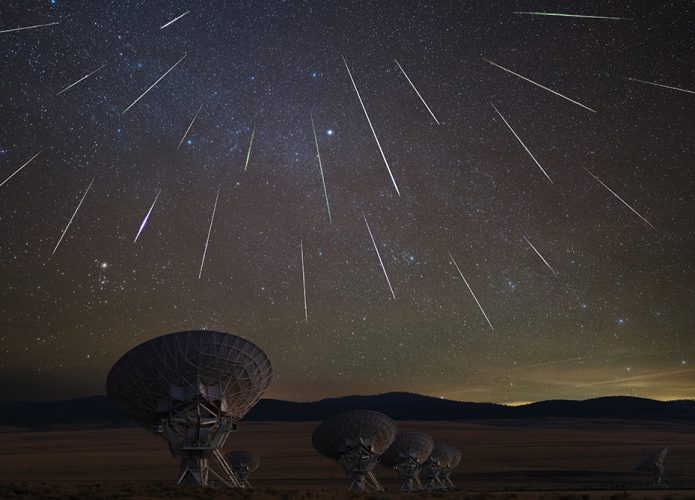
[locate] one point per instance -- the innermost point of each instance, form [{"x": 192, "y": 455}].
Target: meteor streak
[
  {"x": 471, "y": 290},
  {"x": 153, "y": 85},
  {"x": 189, "y": 126},
  {"x": 20, "y": 168},
  {"x": 371, "y": 127},
  {"x": 381, "y": 262},
  {"x": 248, "y": 153},
  {"x": 147, "y": 216},
  {"x": 212, "y": 219},
  {"x": 28, "y": 27},
  {"x": 416, "y": 91},
  {"x": 73, "y": 216},
  {"x": 662, "y": 85},
  {"x": 562, "y": 14},
  {"x": 552, "y": 363},
  {"x": 539, "y": 85},
  {"x": 323, "y": 180},
  {"x": 521, "y": 142},
  {"x": 648, "y": 376},
  {"x": 301, "y": 251},
  {"x": 174, "y": 20},
  {"x": 623, "y": 201},
  {"x": 539, "y": 254},
  {"x": 83, "y": 78}
]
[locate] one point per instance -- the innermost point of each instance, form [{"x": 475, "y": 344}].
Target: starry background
[{"x": 617, "y": 319}]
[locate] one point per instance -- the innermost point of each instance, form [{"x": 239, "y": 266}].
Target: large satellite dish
[
  {"x": 654, "y": 462},
  {"x": 406, "y": 454},
  {"x": 191, "y": 388},
  {"x": 437, "y": 468},
  {"x": 355, "y": 439},
  {"x": 243, "y": 463}
]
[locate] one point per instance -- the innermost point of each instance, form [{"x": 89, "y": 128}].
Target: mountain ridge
[{"x": 98, "y": 410}]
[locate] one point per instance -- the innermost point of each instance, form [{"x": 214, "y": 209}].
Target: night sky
[{"x": 618, "y": 318}]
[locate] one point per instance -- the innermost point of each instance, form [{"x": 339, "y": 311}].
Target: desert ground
[{"x": 501, "y": 459}]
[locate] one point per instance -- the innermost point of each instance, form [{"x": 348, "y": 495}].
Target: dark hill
[
  {"x": 398, "y": 405},
  {"x": 98, "y": 410}
]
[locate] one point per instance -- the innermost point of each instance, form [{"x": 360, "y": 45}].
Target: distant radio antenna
[
  {"x": 436, "y": 470},
  {"x": 243, "y": 463},
  {"x": 654, "y": 462},
  {"x": 355, "y": 439},
  {"x": 406, "y": 455},
  {"x": 454, "y": 461}
]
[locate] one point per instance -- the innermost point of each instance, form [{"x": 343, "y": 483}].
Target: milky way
[{"x": 105, "y": 93}]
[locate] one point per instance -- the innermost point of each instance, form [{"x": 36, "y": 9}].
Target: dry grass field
[{"x": 510, "y": 459}]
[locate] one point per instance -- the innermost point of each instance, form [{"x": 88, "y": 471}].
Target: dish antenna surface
[
  {"x": 454, "y": 460},
  {"x": 243, "y": 463},
  {"x": 654, "y": 462},
  {"x": 355, "y": 439},
  {"x": 191, "y": 388},
  {"x": 406, "y": 454},
  {"x": 433, "y": 470}
]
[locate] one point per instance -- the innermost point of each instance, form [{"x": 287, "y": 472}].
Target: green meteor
[
  {"x": 564, "y": 14},
  {"x": 248, "y": 154}
]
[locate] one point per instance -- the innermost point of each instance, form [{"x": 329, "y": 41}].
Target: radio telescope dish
[
  {"x": 243, "y": 463},
  {"x": 406, "y": 454},
  {"x": 654, "y": 462},
  {"x": 191, "y": 388},
  {"x": 355, "y": 439},
  {"x": 454, "y": 460},
  {"x": 433, "y": 470}
]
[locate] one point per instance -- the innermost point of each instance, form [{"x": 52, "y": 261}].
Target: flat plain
[{"x": 501, "y": 459}]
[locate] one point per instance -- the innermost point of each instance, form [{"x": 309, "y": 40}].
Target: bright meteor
[
  {"x": 323, "y": 180},
  {"x": 248, "y": 153},
  {"x": 174, "y": 20},
  {"x": 416, "y": 91},
  {"x": 73, "y": 216},
  {"x": 301, "y": 251},
  {"x": 371, "y": 127},
  {"x": 662, "y": 85},
  {"x": 563, "y": 14},
  {"x": 381, "y": 262},
  {"x": 207, "y": 241},
  {"x": 623, "y": 201},
  {"x": 29, "y": 27},
  {"x": 539, "y": 85},
  {"x": 189, "y": 126},
  {"x": 539, "y": 254},
  {"x": 146, "y": 218},
  {"x": 471, "y": 290},
  {"x": 521, "y": 142},
  {"x": 153, "y": 85},
  {"x": 83, "y": 78},
  {"x": 19, "y": 169}
]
